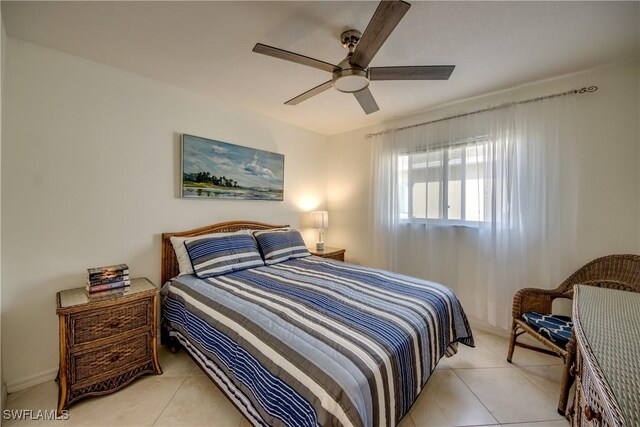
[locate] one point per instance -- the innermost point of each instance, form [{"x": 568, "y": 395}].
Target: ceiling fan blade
[
  {"x": 418, "y": 72},
  {"x": 366, "y": 100},
  {"x": 293, "y": 57},
  {"x": 311, "y": 92},
  {"x": 384, "y": 20}
]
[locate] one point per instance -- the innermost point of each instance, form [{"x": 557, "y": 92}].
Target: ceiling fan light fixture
[{"x": 350, "y": 80}]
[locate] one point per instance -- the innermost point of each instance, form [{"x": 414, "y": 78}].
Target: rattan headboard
[{"x": 169, "y": 260}]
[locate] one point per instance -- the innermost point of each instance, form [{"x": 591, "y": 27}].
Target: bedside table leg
[
  {"x": 154, "y": 338},
  {"x": 61, "y": 400},
  {"x": 61, "y": 379}
]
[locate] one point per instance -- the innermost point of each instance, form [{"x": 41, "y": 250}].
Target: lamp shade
[{"x": 320, "y": 219}]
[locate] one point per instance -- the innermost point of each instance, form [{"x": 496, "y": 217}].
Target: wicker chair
[{"x": 613, "y": 271}]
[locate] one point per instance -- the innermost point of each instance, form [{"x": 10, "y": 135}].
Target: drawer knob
[
  {"x": 117, "y": 356},
  {"x": 114, "y": 324},
  {"x": 590, "y": 414}
]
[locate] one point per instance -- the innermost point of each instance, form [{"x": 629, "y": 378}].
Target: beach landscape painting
[{"x": 219, "y": 170}]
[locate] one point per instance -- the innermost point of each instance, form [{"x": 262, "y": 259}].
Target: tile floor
[{"x": 474, "y": 387}]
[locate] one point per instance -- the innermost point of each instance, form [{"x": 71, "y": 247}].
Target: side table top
[
  {"x": 79, "y": 296},
  {"x": 328, "y": 250},
  {"x": 610, "y": 321}
]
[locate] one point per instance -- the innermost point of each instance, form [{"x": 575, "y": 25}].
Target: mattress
[{"x": 316, "y": 342}]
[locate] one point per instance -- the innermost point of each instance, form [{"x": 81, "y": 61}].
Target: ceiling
[{"x": 206, "y": 47}]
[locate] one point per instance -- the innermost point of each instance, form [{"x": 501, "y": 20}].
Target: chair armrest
[{"x": 534, "y": 299}]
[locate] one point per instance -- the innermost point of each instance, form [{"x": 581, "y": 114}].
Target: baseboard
[
  {"x": 481, "y": 326},
  {"x": 51, "y": 374},
  {"x": 24, "y": 383}
]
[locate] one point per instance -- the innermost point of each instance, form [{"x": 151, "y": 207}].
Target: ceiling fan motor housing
[{"x": 350, "y": 78}]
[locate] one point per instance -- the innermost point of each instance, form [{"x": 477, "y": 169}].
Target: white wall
[
  {"x": 609, "y": 163},
  {"x": 90, "y": 176}
]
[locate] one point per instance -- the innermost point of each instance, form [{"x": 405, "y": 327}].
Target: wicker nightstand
[
  {"x": 333, "y": 253},
  {"x": 105, "y": 343}
]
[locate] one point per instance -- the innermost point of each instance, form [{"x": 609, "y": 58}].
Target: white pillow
[{"x": 184, "y": 263}]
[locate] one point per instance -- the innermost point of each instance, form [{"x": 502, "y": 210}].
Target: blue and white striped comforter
[{"x": 316, "y": 342}]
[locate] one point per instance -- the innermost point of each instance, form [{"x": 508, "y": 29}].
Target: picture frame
[{"x": 212, "y": 169}]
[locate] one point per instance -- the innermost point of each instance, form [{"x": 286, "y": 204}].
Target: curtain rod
[{"x": 586, "y": 89}]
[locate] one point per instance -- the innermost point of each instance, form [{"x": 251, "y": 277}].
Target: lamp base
[{"x": 320, "y": 246}]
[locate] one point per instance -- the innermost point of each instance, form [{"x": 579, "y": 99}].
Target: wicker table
[
  {"x": 607, "y": 328},
  {"x": 105, "y": 342}
]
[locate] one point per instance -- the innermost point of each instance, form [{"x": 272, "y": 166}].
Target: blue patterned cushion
[
  {"x": 278, "y": 246},
  {"x": 553, "y": 326},
  {"x": 213, "y": 256}
]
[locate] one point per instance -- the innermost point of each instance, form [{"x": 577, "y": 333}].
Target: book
[
  {"x": 95, "y": 282},
  {"x": 108, "y": 268},
  {"x": 108, "y": 271},
  {"x": 108, "y": 286},
  {"x": 110, "y": 275},
  {"x": 95, "y": 289},
  {"x": 105, "y": 280}
]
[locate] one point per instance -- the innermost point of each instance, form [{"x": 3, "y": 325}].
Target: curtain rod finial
[{"x": 587, "y": 89}]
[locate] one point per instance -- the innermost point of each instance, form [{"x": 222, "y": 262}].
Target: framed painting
[{"x": 219, "y": 170}]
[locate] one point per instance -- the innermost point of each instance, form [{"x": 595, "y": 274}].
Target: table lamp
[{"x": 320, "y": 221}]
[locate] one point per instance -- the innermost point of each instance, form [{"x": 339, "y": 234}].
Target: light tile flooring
[{"x": 475, "y": 387}]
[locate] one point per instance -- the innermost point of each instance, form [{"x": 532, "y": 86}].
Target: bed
[{"x": 311, "y": 341}]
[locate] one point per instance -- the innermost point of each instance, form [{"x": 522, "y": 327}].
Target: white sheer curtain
[{"x": 485, "y": 204}]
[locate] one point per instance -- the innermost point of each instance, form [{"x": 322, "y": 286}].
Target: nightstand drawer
[
  {"x": 97, "y": 324},
  {"x": 96, "y": 362}
]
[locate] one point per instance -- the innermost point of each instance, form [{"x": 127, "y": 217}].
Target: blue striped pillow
[
  {"x": 213, "y": 256},
  {"x": 278, "y": 246}
]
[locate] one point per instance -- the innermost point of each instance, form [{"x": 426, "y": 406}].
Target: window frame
[{"x": 443, "y": 203}]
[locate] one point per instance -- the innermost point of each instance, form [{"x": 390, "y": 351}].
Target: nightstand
[
  {"x": 328, "y": 252},
  {"x": 105, "y": 342}
]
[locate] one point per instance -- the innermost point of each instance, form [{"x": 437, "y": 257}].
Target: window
[{"x": 445, "y": 184}]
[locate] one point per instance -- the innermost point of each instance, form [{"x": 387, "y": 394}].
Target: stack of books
[{"x": 110, "y": 278}]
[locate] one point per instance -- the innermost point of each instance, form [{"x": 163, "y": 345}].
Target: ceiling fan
[{"x": 352, "y": 74}]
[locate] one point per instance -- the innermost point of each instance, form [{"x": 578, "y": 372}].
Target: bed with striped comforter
[{"x": 316, "y": 342}]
